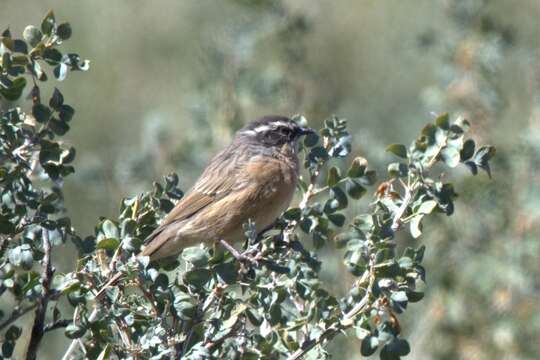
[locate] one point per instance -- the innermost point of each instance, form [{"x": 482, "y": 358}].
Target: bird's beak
[{"x": 306, "y": 131}]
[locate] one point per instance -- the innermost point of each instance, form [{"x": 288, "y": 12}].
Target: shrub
[{"x": 207, "y": 304}]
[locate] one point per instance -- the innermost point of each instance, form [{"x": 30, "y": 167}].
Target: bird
[{"x": 253, "y": 178}]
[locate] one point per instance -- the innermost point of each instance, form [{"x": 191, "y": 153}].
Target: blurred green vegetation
[{"x": 183, "y": 75}]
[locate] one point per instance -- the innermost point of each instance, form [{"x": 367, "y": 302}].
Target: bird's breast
[{"x": 275, "y": 181}]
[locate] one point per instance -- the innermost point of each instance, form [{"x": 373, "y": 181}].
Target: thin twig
[
  {"x": 74, "y": 343},
  {"x": 16, "y": 314},
  {"x": 396, "y": 222},
  {"x": 61, "y": 323}
]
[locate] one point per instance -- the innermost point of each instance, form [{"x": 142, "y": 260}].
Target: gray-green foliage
[
  {"x": 207, "y": 304},
  {"x": 34, "y": 163},
  {"x": 481, "y": 285}
]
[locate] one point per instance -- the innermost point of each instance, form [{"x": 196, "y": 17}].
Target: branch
[
  {"x": 16, "y": 314},
  {"x": 57, "y": 325},
  {"x": 345, "y": 323},
  {"x": 38, "y": 329},
  {"x": 404, "y": 205}
]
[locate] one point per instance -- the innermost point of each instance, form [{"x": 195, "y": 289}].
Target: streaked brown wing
[{"x": 214, "y": 184}]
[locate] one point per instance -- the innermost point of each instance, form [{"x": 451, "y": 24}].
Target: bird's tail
[{"x": 109, "y": 283}]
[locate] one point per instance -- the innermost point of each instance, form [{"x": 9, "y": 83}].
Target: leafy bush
[{"x": 206, "y": 304}]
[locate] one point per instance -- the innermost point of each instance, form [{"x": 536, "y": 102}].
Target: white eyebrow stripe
[
  {"x": 262, "y": 128},
  {"x": 282, "y": 123},
  {"x": 249, "y": 132},
  {"x": 272, "y": 126}
]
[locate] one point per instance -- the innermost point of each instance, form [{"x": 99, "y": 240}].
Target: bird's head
[{"x": 274, "y": 131}]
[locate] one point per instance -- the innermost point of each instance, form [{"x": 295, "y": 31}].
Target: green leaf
[
  {"x": 13, "y": 333},
  {"x": 15, "y": 91},
  {"x": 8, "y": 43},
  {"x": 185, "y": 306},
  {"x": 331, "y": 206},
  {"x": 420, "y": 253},
  {"x": 311, "y": 140},
  {"x": 369, "y": 345},
  {"x": 450, "y": 156},
  {"x": 443, "y": 122},
  {"x": 20, "y": 47},
  {"x": 292, "y": 214},
  {"x": 337, "y": 219},
  {"x": 66, "y": 112},
  {"x": 369, "y": 178},
  {"x": 339, "y": 195},
  {"x": 110, "y": 230},
  {"x": 485, "y": 153},
  {"x": 7, "y": 349},
  {"x": 5, "y": 82},
  {"x": 463, "y": 123},
  {"x": 52, "y": 56},
  {"x": 415, "y": 296},
  {"x": 197, "y": 277},
  {"x": 354, "y": 189},
  {"x": 22, "y": 256},
  {"x": 405, "y": 262},
  {"x": 402, "y": 347},
  {"x": 398, "y": 170},
  {"x": 468, "y": 150},
  {"x": 333, "y": 176},
  {"x": 6, "y": 226},
  {"x": 108, "y": 244},
  {"x": 196, "y": 256},
  {"x": 358, "y": 167},
  {"x": 389, "y": 268},
  {"x": 58, "y": 127},
  {"x": 41, "y": 112},
  {"x": 387, "y": 354},
  {"x": 48, "y": 23},
  {"x": 427, "y": 207},
  {"x": 398, "y": 150},
  {"x": 74, "y": 331},
  {"x": 32, "y": 35},
  {"x": 399, "y": 296},
  {"x": 317, "y": 153},
  {"x": 416, "y": 226},
  {"x": 60, "y": 71},
  {"x": 397, "y": 347},
  {"x": 57, "y": 99},
  {"x": 64, "y": 31},
  {"x": 226, "y": 272},
  {"x": 38, "y": 72}
]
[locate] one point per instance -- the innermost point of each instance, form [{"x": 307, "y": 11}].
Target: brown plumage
[{"x": 253, "y": 178}]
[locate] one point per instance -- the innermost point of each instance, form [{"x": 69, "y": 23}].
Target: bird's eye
[{"x": 284, "y": 131}]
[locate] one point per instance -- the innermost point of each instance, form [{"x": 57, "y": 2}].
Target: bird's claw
[{"x": 248, "y": 257}]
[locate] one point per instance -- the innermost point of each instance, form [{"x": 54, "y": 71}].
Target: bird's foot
[{"x": 248, "y": 257}]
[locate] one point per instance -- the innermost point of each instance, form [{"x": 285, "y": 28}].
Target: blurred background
[{"x": 171, "y": 81}]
